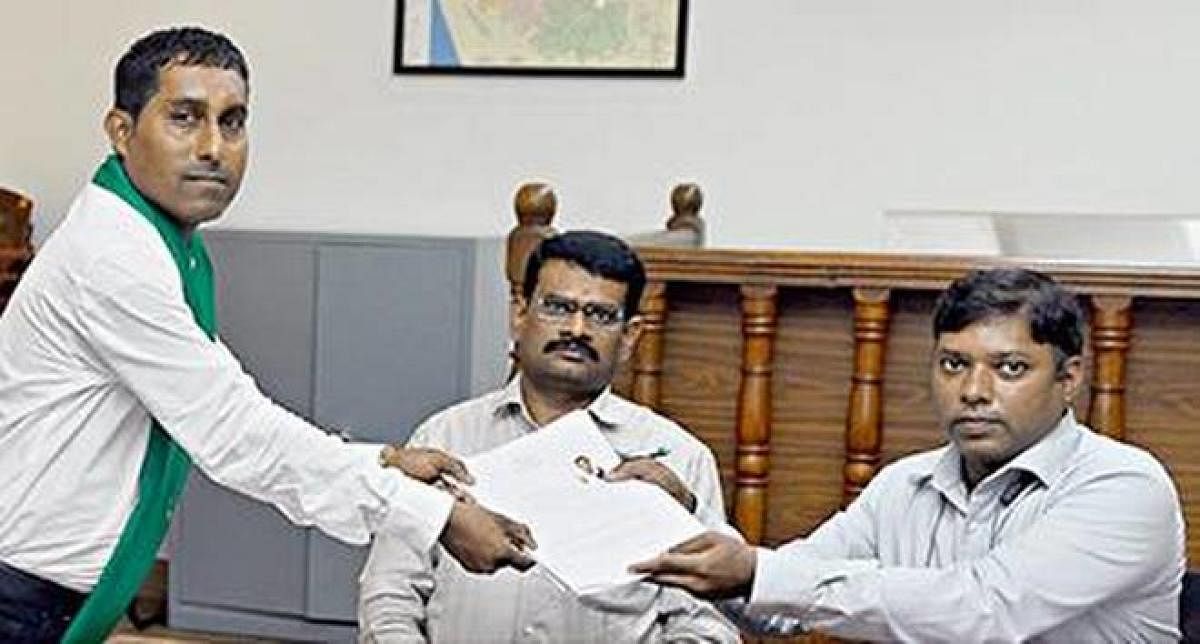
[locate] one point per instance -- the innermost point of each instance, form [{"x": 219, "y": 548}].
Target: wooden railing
[{"x": 807, "y": 371}]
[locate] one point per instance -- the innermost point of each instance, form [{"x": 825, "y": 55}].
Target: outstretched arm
[{"x": 1080, "y": 555}]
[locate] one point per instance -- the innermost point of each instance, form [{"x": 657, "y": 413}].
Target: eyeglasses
[{"x": 597, "y": 315}]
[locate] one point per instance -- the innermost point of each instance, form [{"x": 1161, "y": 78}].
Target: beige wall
[{"x": 803, "y": 119}]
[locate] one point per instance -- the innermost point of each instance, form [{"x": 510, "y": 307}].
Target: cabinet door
[
  {"x": 231, "y": 552},
  {"x": 393, "y": 343}
]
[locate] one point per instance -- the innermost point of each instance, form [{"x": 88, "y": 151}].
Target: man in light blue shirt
[{"x": 1027, "y": 526}]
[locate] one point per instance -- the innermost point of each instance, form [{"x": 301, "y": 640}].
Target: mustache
[{"x": 572, "y": 343}]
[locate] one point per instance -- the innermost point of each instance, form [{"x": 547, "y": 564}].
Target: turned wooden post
[
  {"x": 15, "y": 248},
  {"x": 685, "y": 228},
  {"x": 15, "y": 212},
  {"x": 864, "y": 414},
  {"x": 1111, "y": 329},
  {"x": 647, "y": 359},
  {"x": 535, "y": 205},
  {"x": 759, "y": 319},
  {"x": 686, "y": 200}
]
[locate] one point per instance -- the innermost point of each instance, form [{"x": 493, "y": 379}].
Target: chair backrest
[
  {"x": 15, "y": 211},
  {"x": 685, "y": 228},
  {"x": 536, "y": 205}
]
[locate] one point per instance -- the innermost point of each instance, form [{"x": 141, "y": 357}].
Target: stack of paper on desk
[{"x": 588, "y": 530}]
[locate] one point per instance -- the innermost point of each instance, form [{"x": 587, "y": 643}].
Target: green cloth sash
[{"x": 165, "y": 468}]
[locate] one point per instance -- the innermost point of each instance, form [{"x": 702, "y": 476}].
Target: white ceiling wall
[{"x": 804, "y": 120}]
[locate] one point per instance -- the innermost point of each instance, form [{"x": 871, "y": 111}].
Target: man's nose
[
  {"x": 977, "y": 386},
  {"x": 577, "y": 323},
  {"x": 208, "y": 141}
]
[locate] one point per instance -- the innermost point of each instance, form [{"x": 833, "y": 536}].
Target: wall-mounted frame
[{"x": 541, "y": 37}]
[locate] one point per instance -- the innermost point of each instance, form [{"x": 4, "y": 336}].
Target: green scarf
[{"x": 165, "y": 468}]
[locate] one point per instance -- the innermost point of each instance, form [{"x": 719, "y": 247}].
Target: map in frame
[{"x": 541, "y": 37}]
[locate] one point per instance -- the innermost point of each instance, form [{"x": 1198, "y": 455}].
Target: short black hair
[
  {"x": 136, "y": 76},
  {"x": 597, "y": 253},
  {"x": 1054, "y": 314}
]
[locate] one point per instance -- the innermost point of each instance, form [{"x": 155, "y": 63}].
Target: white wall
[{"x": 803, "y": 119}]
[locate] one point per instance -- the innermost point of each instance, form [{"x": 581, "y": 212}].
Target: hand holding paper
[
  {"x": 484, "y": 541},
  {"x": 647, "y": 469},
  {"x": 589, "y": 530},
  {"x": 713, "y": 565}
]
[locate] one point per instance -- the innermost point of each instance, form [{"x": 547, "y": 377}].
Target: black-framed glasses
[{"x": 598, "y": 315}]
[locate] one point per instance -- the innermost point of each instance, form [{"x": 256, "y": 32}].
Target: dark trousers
[{"x": 33, "y": 609}]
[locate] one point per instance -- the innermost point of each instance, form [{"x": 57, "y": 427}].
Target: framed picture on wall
[{"x": 541, "y": 37}]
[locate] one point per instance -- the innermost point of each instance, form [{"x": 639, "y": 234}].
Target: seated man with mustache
[
  {"x": 1026, "y": 527},
  {"x": 576, "y": 322}
]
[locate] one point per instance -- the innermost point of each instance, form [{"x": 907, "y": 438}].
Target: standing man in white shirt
[
  {"x": 1026, "y": 527},
  {"x": 576, "y": 323},
  {"x": 112, "y": 380}
]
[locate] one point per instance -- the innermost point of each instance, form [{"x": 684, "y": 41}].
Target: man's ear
[
  {"x": 1071, "y": 377},
  {"x": 118, "y": 125},
  {"x": 630, "y": 334}
]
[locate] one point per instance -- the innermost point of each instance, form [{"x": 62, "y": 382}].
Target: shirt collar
[
  {"x": 609, "y": 409},
  {"x": 1044, "y": 459},
  {"x": 1048, "y": 457}
]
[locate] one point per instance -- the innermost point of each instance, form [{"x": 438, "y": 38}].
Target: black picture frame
[{"x": 412, "y": 64}]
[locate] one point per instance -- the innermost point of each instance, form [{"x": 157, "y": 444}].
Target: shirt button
[{"x": 192, "y": 262}]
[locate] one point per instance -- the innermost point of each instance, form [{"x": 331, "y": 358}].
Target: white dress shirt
[
  {"x": 96, "y": 339},
  {"x": 413, "y": 597},
  {"x": 1077, "y": 539}
]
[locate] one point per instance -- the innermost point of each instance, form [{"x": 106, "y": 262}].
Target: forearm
[
  {"x": 312, "y": 478},
  {"x": 203, "y": 398},
  {"x": 989, "y": 599},
  {"x": 858, "y": 599}
]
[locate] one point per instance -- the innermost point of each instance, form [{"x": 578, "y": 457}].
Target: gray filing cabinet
[{"x": 370, "y": 334}]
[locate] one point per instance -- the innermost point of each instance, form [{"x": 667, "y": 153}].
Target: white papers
[{"x": 588, "y": 530}]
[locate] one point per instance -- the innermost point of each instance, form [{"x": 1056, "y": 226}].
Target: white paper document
[{"x": 588, "y": 530}]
